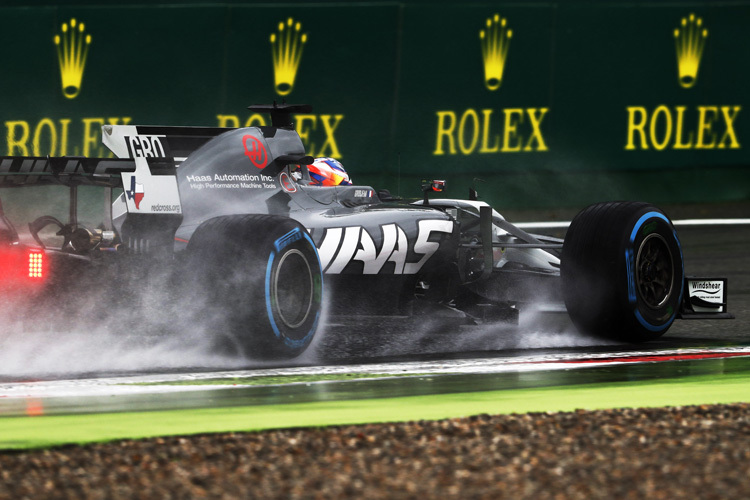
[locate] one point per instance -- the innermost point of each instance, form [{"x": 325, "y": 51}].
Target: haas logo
[
  {"x": 255, "y": 151},
  {"x": 342, "y": 245}
]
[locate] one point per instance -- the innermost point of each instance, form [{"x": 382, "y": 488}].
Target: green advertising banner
[{"x": 534, "y": 104}]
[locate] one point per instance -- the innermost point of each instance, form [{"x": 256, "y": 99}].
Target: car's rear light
[{"x": 36, "y": 265}]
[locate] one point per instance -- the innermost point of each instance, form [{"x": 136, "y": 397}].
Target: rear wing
[
  {"x": 155, "y": 141},
  {"x": 133, "y": 141}
]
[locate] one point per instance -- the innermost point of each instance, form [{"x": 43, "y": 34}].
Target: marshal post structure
[{"x": 533, "y": 104}]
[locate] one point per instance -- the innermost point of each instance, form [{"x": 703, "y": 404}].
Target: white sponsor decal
[
  {"x": 342, "y": 245},
  {"x": 231, "y": 181},
  {"x": 145, "y": 146},
  {"x": 711, "y": 291}
]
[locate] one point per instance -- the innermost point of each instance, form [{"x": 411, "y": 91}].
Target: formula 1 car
[{"x": 231, "y": 214}]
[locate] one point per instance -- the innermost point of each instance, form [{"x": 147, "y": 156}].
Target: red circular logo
[
  {"x": 255, "y": 151},
  {"x": 287, "y": 183}
]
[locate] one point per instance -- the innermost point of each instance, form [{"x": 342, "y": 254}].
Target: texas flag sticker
[
  {"x": 135, "y": 192},
  {"x": 163, "y": 195}
]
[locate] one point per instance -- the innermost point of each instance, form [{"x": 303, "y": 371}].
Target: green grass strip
[{"x": 45, "y": 431}]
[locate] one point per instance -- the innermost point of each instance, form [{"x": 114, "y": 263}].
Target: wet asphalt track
[{"x": 467, "y": 360}]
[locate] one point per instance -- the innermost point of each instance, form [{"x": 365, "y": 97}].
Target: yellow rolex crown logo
[
  {"x": 286, "y": 47},
  {"x": 72, "y": 48},
  {"x": 495, "y": 40},
  {"x": 689, "y": 39}
]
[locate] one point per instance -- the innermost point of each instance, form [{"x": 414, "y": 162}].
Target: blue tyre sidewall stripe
[
  {"x": 630, "y": 253},
  {"x": 281, "y": 243}
]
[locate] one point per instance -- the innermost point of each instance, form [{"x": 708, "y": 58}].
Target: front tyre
[
  {"x": 262, "y": 276},
  {"x": 622, "y": 271}
]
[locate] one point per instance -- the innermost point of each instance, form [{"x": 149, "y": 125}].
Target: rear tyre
[
  {"x": 622, "y": 271},
  {"x": 262, "y": 279}
]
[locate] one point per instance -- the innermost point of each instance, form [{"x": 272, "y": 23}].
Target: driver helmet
[{"x": 328, "y": 172}]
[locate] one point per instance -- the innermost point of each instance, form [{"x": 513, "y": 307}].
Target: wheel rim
[
  {"x": 293, "y": 289},
  {"x": 654, "y": 271}
]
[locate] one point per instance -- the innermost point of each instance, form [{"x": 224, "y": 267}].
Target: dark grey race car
[{"x": 232, "y": 211}]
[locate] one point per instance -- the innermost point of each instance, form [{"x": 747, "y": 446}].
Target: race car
[{"x": 234, "y": 218}]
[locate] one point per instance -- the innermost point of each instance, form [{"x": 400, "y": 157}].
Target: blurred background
[{"x": 536, "y": 105}]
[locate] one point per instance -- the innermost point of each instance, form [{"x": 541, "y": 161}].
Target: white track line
[
  {"x": 712, "y": 222},
  {"x": 677, "y": 223},
  {"x": 120, "y": 386}
]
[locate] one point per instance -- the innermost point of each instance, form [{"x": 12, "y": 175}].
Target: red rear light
[
  {"x": 22, "y": 269},
  {"x": 36, "y": 265}
]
